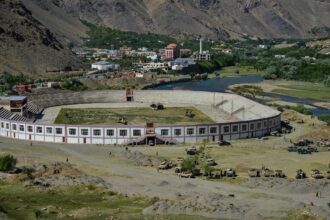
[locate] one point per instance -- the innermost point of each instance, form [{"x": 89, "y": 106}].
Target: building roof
[
  {"x": 13, "y": 98},
  {"x": 171, "y": 46},
  {"x": 103, "y": 63}
]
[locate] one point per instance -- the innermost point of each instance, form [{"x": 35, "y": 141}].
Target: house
[{"x": 103, "y": 65}]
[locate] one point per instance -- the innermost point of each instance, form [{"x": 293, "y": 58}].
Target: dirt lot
[{"x": 133, "y": 173}]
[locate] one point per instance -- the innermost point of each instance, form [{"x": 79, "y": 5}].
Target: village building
[
  {"x": 172, "y": 52},
  {"x": 105, "y": 66}
]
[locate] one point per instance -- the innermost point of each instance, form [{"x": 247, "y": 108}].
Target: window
[
  {"x": 259, "y": 126},
  {"x": 30, "y": 128},
  {"x": 72, "y": 131},
  {"x": 251, "y": 126},
  {"x": 190, "y": 131},
  {"x": 84, "y": 132},
  {"x": 244, "y": 127},
  {"x": 235, "y": 128},
  {"x": 97, "y": 132},
  {"x": 2, "y": 125},
  {"x": 14, "y": 127},
  {"x": 21, "y": 127},
  {"x": 49, "y": 130},
  {"x": 265, "y": 124},
  {"x": 136, "y": 133},
  {"x": 164, "y": 132},
  {"x": 123, "y": 133},
  {"x": 226, "y": 129},
  {"x": 110, "y": 132},
  {"x": 213, "y": 130},
  {"x": 202, "y": 131},
  {"x": 39, "y": 129},
  {"x": 7, "y": 125},
  {"x": 177, "y": 132},
  {"x": 58, "y": 130}
]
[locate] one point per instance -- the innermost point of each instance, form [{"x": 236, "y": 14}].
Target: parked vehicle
[{"x": 224, "y": 143}]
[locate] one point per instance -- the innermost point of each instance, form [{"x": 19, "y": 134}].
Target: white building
[{"x": 105, "y": 66}]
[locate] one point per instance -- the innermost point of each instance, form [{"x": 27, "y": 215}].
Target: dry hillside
[
  {"x": 27, "y": 46},
  {"x": 213, "y": 18}
]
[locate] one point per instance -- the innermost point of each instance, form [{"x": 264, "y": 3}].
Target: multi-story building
[{"x": 172, "y": 52}]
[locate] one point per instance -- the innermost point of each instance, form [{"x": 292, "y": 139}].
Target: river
[{"x": 223, "y": 84}]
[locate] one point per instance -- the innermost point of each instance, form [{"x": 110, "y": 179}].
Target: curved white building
[{"x": 235, "y": 117}]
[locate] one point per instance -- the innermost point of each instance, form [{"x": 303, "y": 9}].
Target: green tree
[{"x": 7, "y": 162}]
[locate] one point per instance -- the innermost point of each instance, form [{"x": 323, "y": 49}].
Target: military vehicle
[
  {"x": 211, "y": 162},
  {"x": 279, "y": 174},
  {"x": 230, "y": 172},
  {"x": 165, "y": 165},
  {"x": 224, "y": 143},
  {"x": 254, "y": 173},
  {"x": 186, "y": 174},
  {"x": 316, "y": 174},
  {"x": 267, "y": 173},
  {"x": 303, "y": 143},
  {"x": 300, "y": 174},
  {"x": 192, "y": 150}
]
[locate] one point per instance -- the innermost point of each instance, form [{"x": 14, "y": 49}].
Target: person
[
  {"x": 109, "y": 153},
  {"x": 317, "y": 194},
  {"x": 67, "y": 160},
  {"x": 31, "y": 144}
]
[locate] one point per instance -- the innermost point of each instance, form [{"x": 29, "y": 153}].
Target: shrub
[{"x": 7, "y": 162}]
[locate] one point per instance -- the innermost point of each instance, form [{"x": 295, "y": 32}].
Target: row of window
[{"x": 137, "y": 132}]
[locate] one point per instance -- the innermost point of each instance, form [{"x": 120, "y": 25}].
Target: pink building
[{"x": 172, "y": 52}]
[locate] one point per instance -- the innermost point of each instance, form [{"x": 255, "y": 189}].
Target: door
[{"x": 85, "y": 140}]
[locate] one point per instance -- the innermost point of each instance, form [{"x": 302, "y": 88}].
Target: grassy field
[
  {"x": 231, "y": 71},
  {"x": 317, "y": 92},
  {"x": 110, "y": 116},
  {"x": 79, "y": 202}
]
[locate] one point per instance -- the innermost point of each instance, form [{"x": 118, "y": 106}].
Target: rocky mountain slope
[
  {"x": 214, "y": 18},
  {"x": 27, "y": 46}
]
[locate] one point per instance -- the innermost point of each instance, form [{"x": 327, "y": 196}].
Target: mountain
[
  {"x": 27, "y": 46},
  {"x": 219, "y": 19}
]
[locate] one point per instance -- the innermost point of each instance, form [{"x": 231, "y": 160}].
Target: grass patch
[
  {"x": 325, "y": 118},
  {"x": 110, "y": 116},
  {"x": 232, "y": 71},
  {"x": 316, "y": 92},
  {"x": 79, "y": 202}
]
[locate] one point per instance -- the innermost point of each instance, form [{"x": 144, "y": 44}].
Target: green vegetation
[
  {"x": 73, "y": 84},
  {"x": 231, "y": 71},
  {"x": 248, "y": 90},
  {"x": 316, "y": 92},
  {"x": 7, "y": 81},
  {"x": 7, "y": 162},
  {"x": 298, "y": 108},
  {"x": 103, "y": 37},
  {"x": 80, "y": 202},
  {"x": 325, "y": 118},
  {"x": 110, "y": 116}
]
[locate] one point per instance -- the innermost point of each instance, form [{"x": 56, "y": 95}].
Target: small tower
[{"x": 129, "y": 95}]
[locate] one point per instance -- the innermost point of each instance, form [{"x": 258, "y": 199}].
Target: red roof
[{"x": 171, "y": 46}]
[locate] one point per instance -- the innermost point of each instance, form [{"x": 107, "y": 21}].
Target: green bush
[{"x": 7, "y": 162}]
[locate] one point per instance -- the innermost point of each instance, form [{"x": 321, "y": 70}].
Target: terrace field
[{"x": 134, "y": 116}]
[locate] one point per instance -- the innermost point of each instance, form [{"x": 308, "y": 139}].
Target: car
[
  {"x": 151, "y": 143},
  {"x": 304, "y": 151},
  {"x": 224, "y": 143}
]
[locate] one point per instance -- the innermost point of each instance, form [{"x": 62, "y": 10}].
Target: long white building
[{"x": 235, "y": 117}]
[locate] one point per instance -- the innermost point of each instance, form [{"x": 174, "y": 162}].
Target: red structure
[{"x": 172, "y": 52}]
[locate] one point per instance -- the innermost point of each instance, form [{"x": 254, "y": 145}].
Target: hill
[
  {"x": 217, "y": 19},
  {"x": 28, "y": 46}
]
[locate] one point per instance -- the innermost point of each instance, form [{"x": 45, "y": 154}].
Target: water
[
  {"x": 223, "y": 84},
  {"x": 211, "y": 85}
]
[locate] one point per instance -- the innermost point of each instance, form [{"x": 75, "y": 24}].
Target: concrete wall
[{"x": 82, "y": 134}]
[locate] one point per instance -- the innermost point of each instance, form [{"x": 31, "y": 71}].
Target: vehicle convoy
[
  {"x": 316, "y": 174},
  {"x": 300, "y": 174}
]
